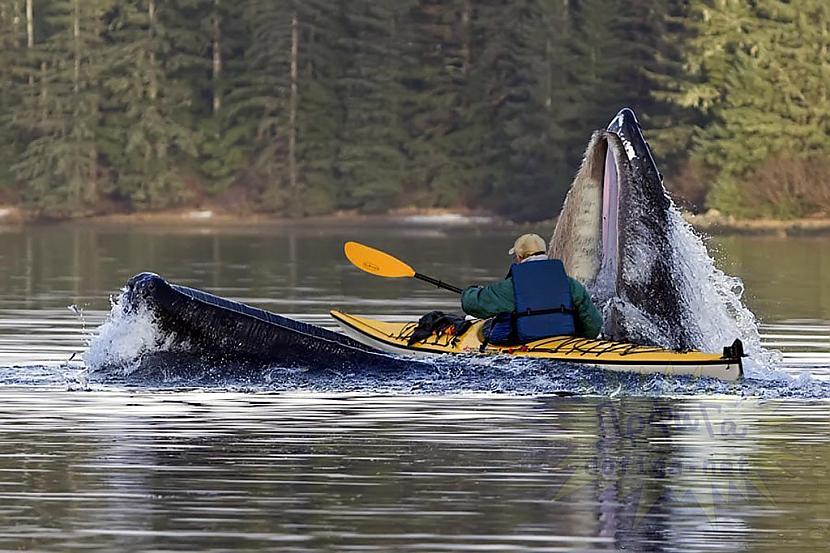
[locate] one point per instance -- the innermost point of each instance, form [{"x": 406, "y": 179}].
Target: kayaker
[{"x": 536, "y": 300}]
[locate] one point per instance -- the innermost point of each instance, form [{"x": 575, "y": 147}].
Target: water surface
[{"x": 441, "y": 466}]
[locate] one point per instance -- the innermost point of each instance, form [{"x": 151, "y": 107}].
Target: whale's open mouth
[
  {"x": 621, "y": 236},
  {"x": 591, "y": 231},
  {"x": 629, "y": 179},
  {"x": 610, "y": 213},
  {"x": 614, "y": 234}
]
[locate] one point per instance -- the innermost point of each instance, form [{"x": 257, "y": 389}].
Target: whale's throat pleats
[
  {"x": 577, "y": 239},
  {"x": 587, "y": 236}
]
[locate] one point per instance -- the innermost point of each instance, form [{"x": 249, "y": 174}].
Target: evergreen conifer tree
[
  {"x": 226, "y": 133},
  {"x": 370, "y": 161},
  {"x": 255, "y": 110},
  {"x": 60, "y": 111},
  {"x": 12, "y": 39},
  {"x": 143, "y": 135},
  {"x": 443, "y": 141},
  {"x": 761, "y": 77},
  {"x": 508, "y": 76},
  {"x": 320, "y": 111}
]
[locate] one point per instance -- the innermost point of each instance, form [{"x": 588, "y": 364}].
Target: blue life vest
[{"x": 544, "y": 307}]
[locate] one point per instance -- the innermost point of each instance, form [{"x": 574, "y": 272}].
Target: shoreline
[
  {"x": 713, "y": 224},
  {"x": 14, "y": 216},
  {"x": 720, "y": 225}
]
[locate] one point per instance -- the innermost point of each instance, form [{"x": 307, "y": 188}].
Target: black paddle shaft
[{"x": 438, "y": 283}]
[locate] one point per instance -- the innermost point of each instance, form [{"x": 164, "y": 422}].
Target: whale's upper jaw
[{"x": 627, "y": 128}]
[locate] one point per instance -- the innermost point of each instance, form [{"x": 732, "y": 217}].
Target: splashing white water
[
  {"x": 719, "y": 315},
  {"x": 124, "y": 338},
  {"x": 636, "y": 322},
  {"x": 715, "y": 315}
]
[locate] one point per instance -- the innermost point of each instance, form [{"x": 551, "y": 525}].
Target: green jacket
[{"x": 488, "y": 301}]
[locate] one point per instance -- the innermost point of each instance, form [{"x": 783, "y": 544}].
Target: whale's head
[{"x": 614, "y": 235}]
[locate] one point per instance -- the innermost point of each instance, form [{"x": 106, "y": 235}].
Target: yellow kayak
[{"x": 612, "y": 356}]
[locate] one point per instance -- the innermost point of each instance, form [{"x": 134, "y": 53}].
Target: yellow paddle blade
[{"x": 376, "y": 262}]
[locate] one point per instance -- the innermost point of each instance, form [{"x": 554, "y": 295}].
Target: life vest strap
[{"x": 530, "y": 312}]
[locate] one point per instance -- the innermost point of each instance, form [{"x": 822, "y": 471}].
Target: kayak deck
[{"x": 614, "y": 356}]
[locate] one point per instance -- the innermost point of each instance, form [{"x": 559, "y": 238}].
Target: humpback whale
[{"x": 620, "y": 234}]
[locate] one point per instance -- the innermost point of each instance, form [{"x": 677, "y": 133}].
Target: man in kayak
[{"x": 536, "y": 300}]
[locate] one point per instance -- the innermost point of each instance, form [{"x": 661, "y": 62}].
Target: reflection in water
[{"x": 212, "y": 471}]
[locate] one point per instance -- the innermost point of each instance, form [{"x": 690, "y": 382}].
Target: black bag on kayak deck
[{"x": 437, "y": 322}]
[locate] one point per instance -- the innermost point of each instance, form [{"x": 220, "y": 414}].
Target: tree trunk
[
  {"x": 310, "y": 37},
  {"x": 823, "y": 58},
  {"x": 292, "y": 116},
  {"x": 151, "y": 12},
  {"x": 465, "y": 36},
  {"x": 548, "y": 75},
  {"x": 76, "y": 36},
  {"x": 30, "y": 43},
  {"x": 16, "y": 24},
  {"x": 78, "y": 166},
  {"x": 4, "y": 86},
  {"x": 217, "y": 57},
  {"x": 92, "y": 178},
  {"x": 43, "y": 88},
  {"x": 30, "y": 34}
]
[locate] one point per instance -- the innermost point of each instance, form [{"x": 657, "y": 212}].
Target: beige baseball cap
[{"x": 528, "y": 244}]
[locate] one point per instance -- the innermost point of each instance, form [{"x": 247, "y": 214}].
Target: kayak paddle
[{"x": 382, "y": 264}]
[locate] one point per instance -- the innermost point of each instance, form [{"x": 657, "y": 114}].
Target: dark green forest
[{"x": 308, "y": 107}]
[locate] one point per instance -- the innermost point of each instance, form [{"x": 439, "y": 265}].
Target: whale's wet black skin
[{"x": 194, "y": 324}]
